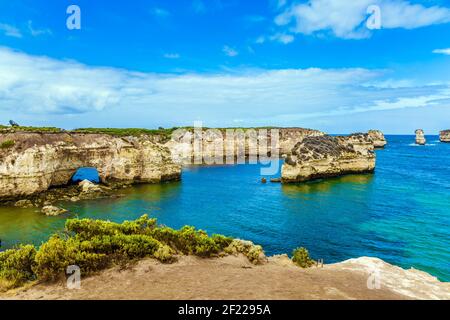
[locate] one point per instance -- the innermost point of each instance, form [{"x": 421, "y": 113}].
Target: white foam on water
[{"x": 417, "y": 145}]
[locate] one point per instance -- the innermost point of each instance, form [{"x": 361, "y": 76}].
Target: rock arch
[{"x": 38, "y": 161}]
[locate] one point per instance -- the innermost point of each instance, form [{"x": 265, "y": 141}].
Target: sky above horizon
[{"x": 227, "y": 63}]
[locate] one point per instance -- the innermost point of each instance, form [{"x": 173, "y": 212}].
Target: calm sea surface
[{"x": 400, "y": 214}]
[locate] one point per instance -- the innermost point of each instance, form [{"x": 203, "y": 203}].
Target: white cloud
[
  {"x": 35, "y": 32},
  {"x": 442, "y": 51},
  {"x": 260, "y": 40},
  {"x": 160, "y": 12},
  {"x": 10, "y": 31},
  {"x": 282, "y": 37},
  {"x": 230, "y": 51},
  {"x": 171, "y": 55},
  {"x": 278, "y": 37},
  {"x": 46, "y": 87},
  {"x": 346, "y": 19}
]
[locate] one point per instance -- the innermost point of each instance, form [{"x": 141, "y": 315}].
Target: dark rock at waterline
[{"x": 263, "y": 180}]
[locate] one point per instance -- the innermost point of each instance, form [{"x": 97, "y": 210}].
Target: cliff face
[
  {"x": 379, "y": 141},
  {"x": 32, "y": 162},
  {"x": 444, "y": 136},
  {"x": 216, "y": 144},
  {"x": 327, "y": 156},
  {"x": 420, "y": 137}
]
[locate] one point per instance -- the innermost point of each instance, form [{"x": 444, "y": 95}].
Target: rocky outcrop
[
  {"x": 38, "y": 160},
  {"x": 379, "y": 141},
  {"x": 444, "y": 136},
  {"x": 53, "y": 211},
  {"x": 327, "y": 156},
  {"x": 420, "y": 137},
  {"x": 89, "y": 187},
  {"x": 214, "y": 145}
]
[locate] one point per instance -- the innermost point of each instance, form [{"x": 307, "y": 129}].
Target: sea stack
[
  {"x": 444, "y": 136},
  {"x": 379, "y": 141},
  {"x": 327, "y": 156},
  {"x": 420, "y": 137}
]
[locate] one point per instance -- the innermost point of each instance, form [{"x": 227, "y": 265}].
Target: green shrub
[
  {"x": 7, "y": 144},
  {"x": 16, "y": 266},
  {"x": 253, "y": 252},
  {"x": 88, "y": 228},
  {"x": 165, "y": 254},
  {"x": 300, "y": 257},
  {"x": 57, "y": 254},
  {"x": 187, "y": 240}
]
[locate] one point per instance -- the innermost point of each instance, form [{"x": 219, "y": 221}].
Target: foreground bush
[
  {"x": 300, "y": 257},
  {"x": 94, "y": 245},
  {"x": 16, "y": 266}
]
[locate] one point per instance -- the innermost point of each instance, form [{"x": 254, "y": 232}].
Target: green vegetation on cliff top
[{"x": 7, "y": 144}]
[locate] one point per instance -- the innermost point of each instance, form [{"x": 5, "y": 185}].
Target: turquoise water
[{"x": 400, "y": 214}]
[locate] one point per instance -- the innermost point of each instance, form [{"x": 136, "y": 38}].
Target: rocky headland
[
  {"x": 420, "y": 137},
  {"x": 379, "y": 141},
  {"x": 209, "y": 146},
  {"x": 444, "y": 136},
  {"x": 33, "y": 162},
  {"x": 328, "y": 156}
]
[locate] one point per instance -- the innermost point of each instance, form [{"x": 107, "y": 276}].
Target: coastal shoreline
[{"x": 235, "y": 278}]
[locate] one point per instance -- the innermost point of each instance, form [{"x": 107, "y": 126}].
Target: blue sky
[{"x": 227, "y": 63}]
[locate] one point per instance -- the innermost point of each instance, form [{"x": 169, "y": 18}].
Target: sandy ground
[{"x": 236, "y": 279}]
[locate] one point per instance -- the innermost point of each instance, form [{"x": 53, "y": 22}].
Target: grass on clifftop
[
  {"x": 7, "y": 144},
  {"x": 33, "y": 129},
  {"x": 94, "y": 245},
  {"x": 126, "y": 131}
]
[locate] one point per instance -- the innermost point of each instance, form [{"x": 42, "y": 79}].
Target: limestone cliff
[
  {"x": 379, "y": 141},
  {"x": 31, "y": 162},
  {"x": 444, "y": 136},
  {"x": 216, "y": 144},
  {"x": 420, "y": 137},
  {"x": 327, "y": 156}
]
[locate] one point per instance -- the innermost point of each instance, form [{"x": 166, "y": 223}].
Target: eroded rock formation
[
  {"x": 214, "y": 145},
  {"x": 444, "y": 136},
  {"x": 327, "y": 156},
  {"x": 379, "y": 141},
  {"x": 420, "y": 137},
  {"x": 32, "y": 162}
]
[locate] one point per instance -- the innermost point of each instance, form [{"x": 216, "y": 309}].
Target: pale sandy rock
[
  {"x": 444, "y": 136},
  {"x": 212, "y": 146},
  {"x": 88, "y": 187},
  {"x": 412, "y": 283},
  {"x": 23, "y": 204},
  {"x": 38, "y": 161},
  {"x": 420, "y": 137},
  {"x": 327, "y": 156},
  {"x": 53, "y": 211},
  {"x": 379, "y": 141}
]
